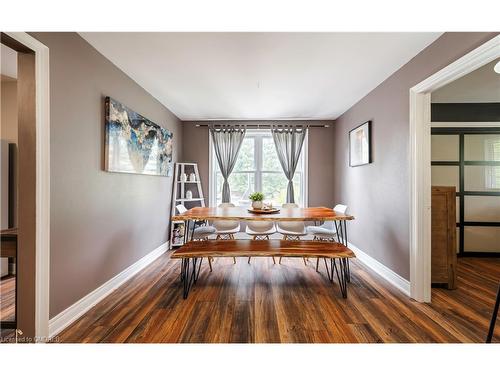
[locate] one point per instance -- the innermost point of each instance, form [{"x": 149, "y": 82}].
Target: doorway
[
  {"x": 33, "y": 188},
  {"x": 420, "y": 162}
]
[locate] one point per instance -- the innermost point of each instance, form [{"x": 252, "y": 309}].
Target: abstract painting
[
  {"x": 135, "y": 144},
  {"x": 359, "y": 145}
]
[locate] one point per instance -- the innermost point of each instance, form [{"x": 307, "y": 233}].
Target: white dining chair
[
  {"x": 260, "y": 230},
  {"x": 226, "y": 229},
  {"x": 200, "y": 233},
  {"x": 327, "y": 231},
  {"x": 291, "y": 230}
]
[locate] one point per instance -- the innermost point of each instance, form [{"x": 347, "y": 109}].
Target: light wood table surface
[{"x": 241, "y": 213}]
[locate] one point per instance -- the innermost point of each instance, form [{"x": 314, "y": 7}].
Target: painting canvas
[
  {"x": 135, "y": 144},
  {"x": 359, "y": 145}
]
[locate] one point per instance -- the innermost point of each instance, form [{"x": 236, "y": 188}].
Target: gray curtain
[
  {"x": 227, "y": 142},
  {"x": 288, "y": 141}
]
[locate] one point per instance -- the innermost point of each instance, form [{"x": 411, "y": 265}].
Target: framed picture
[
  {"x": 135, "y": 144},
  {"x": 177, "y": 233},
  {"x": 359, "y": 145}
]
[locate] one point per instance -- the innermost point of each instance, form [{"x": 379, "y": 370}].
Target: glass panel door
[{"x": 469, "y": 159}]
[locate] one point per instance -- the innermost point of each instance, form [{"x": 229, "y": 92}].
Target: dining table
[
  {"x": 311, "y": 214},
  {"x": 191, "y": 253}
]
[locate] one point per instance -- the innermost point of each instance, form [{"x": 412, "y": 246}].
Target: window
[
  {"x": 258, "y": 169},
  {"x": 492, "y": 153}
]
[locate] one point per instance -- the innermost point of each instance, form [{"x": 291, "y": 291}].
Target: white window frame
[{"x": 212, "y": 166}]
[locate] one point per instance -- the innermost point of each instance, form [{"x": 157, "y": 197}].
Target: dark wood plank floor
[
  {"x": 7, "y": 298},
  {"x": 7, "y": 306},
  {"x": 262, "y": 302}
]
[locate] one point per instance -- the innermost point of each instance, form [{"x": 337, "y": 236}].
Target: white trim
[
  {"x": 389, "y": 275},
  {"x": 42, "y": 265},
  {"x": 420, "y": 181},
  {"x": 485, "y": 124},
  {"x": 72, "y": 313}
]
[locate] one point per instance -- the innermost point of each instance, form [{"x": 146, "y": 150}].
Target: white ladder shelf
[{"x": 179, "y": 190}]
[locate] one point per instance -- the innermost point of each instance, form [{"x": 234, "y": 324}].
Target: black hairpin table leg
[{"x": 343, "y": 231}]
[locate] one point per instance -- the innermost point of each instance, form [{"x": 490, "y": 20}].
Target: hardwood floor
[
  {"x": 7, "y": 298},
  {"x": 7, "y": 306},
  {"x": 262, "y": 302}
]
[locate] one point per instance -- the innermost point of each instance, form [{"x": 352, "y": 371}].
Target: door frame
[
  {"x": 420, "y": 162},
  {"x": 42, "y": 249}
]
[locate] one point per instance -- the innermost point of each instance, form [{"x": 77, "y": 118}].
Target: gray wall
[
  {"x": 320, "y": 156},
  {"x": 101, "y": 222},
  {"x": 378, "y": 194}
]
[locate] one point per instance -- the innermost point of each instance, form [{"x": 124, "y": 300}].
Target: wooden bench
[{"x": 192, "y": 254}]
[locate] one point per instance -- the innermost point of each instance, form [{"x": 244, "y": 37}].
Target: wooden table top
[{"x": 241, "y": 213}]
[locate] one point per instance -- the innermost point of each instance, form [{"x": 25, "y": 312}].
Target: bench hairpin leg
[
  {"x": 197, "y": 273},
  {"x": 188, "y": 276},
  {"x": 328, "y": 271},
  {"x": 185, "y": 277},
  {"x": 342, "y": 276},
  {"x": 348, "y": 271}
]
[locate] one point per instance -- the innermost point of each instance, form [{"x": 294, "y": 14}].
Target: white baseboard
[
  {"x": 72, "y": 313},
  {"x": 388, "y": 274}
]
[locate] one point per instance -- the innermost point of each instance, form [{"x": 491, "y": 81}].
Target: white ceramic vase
[{"x": 257, "y": 205}]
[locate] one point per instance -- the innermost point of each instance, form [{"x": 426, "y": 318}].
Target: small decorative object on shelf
[
  {"x": 192, "y": 177},
  {"x": 184, "y": 177},
  {"x": 177, "y": 234},
  {"x": 189, "y": 194},
  {"x": 257, "y": 199}
]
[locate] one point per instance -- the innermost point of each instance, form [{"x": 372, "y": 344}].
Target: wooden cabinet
[{"x": 444, "y": 243}]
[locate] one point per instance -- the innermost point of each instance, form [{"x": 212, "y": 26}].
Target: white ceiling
[{"x": 201, "y": 76}]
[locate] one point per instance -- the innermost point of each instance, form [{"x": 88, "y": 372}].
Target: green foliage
[{"x": 256, "y": 196}]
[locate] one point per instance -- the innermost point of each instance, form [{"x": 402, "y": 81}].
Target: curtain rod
[{"x": 265, "y": 126}]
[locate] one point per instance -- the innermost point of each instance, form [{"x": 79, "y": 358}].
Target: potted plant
[{"x": 257, "y": 199}]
